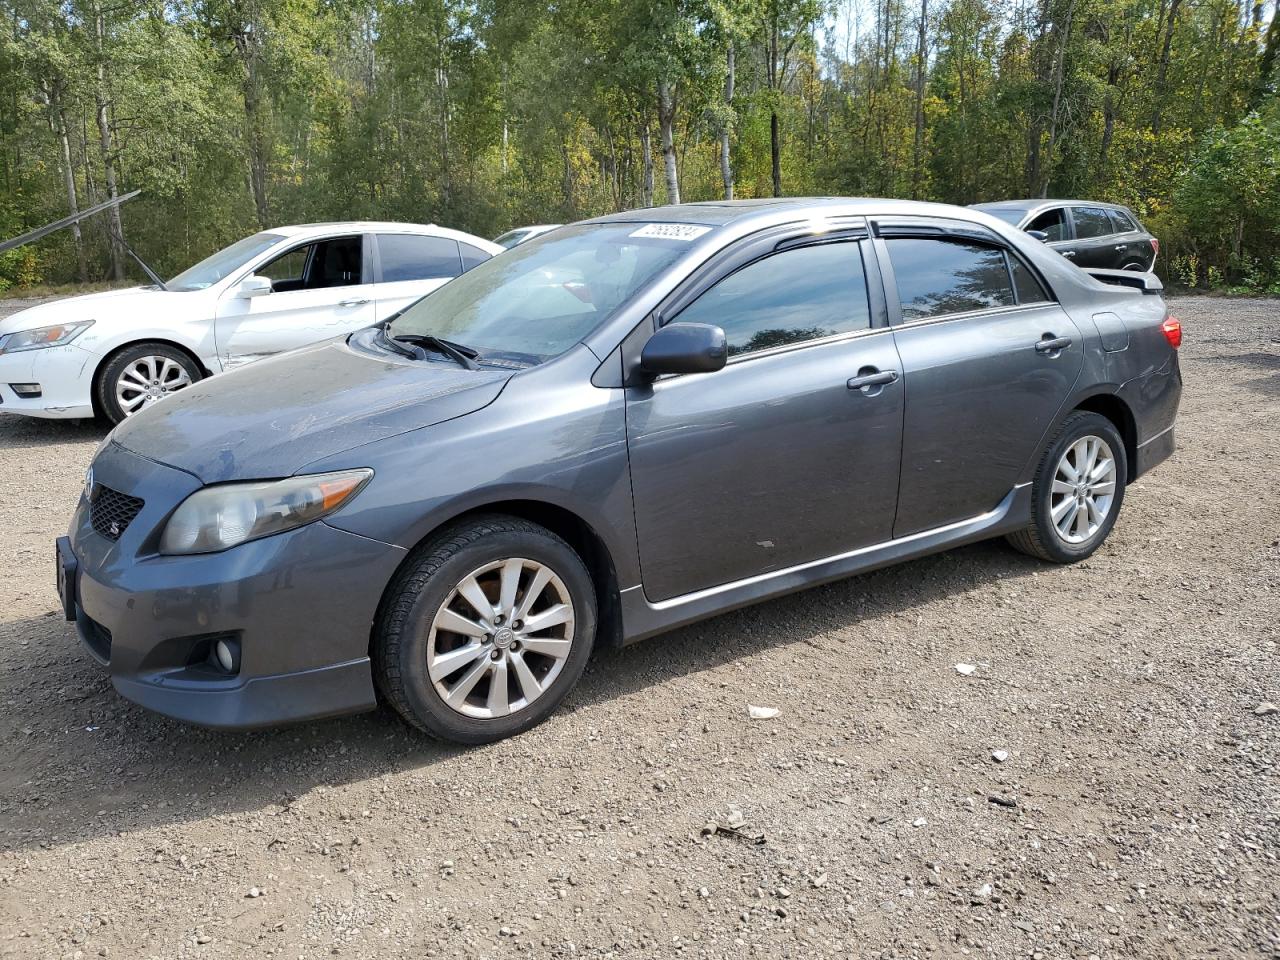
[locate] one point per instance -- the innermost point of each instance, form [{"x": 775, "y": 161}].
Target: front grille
[{"x": 110, "y": 511}]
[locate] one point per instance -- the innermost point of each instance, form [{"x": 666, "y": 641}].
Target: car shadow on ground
[{"x": 111, "y": 767}]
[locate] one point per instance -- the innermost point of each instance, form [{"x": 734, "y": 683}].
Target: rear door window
[
  {"x": 1091, "y": 222},
  {"x": 407, "y": 256},
  {"x": 936, "y": 277},
  {"x": 1053, "y": 223},
  {"x": 797, "y": 295}
]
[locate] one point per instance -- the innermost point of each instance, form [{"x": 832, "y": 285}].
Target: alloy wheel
[
  {"x": 500, "y": 638},
  {"x": 1084, "y": 487},
  {"x": 148, "y": 379}
]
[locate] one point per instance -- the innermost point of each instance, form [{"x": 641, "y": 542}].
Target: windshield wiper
[
  {"x": 464, "y": 356},
  {"x": 404, "y": 349}
]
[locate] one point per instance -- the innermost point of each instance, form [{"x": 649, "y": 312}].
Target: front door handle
[
  {"x": 1069, "y": 254},
  {"x": 869, "y": 378},
  {"x": 1053, "y": 344},
  {"x": 355, "y": 302}
]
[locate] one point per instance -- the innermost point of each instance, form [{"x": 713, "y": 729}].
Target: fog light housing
[
  {"x": 226, "y": 654},
  {"x": 27, "y": 391}
]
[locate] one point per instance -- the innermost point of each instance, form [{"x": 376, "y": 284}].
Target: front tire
[
  {"x": 485, "y": 631},
  {"x": 139, "y": 375},
  {"x": 1077, "y": 492}
]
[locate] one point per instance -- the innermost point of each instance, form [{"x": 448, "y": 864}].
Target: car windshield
[
  {"x": 540, "y": 298},
  {"x": 226, "y": 261},
  {"x": 1011, "y": 215},
  {"x": 510, "y": 238}
]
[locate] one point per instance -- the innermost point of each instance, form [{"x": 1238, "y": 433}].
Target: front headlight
[
  {"x": 220, "y": 517},
  {"x": 60, "y": 334}
]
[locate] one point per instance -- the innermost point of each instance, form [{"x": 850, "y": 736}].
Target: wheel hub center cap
[{"x": 502, "y": 638}]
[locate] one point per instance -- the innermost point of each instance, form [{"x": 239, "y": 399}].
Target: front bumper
[
  {"x": 299, "y": 606},
  {"x": 65, "y": 375}
]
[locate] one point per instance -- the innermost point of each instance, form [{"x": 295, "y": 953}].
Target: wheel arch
[
  {"x": 564, "y": 523},
  {"x": 112, "y": 353},
  {"x": 1112, "y": 407}
]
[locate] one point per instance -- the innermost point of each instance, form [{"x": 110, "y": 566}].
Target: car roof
[
  {"x": 769, "y": 210},
  {"x": 1038, "y": 204},
  {"x": 382, "y": 226}
]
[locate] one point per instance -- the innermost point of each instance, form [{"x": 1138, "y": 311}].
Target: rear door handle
[
  {"x": 1122, "y": 246},
  {"x": 1069, "y": 254},
  {"x": 1053, "y": 344},
  {"x": 869, "y": 378},
  {"x": 352, "y": 303}
]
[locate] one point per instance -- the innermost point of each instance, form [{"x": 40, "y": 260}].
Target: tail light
[
  {"x": 1155, "y": 247},
  {"x": 1172, "y": 330}
]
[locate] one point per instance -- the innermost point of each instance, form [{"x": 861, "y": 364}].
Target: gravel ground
[{"x": 1135, "y": 811}]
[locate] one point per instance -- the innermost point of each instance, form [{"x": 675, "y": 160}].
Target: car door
[
  {"x": 1132, "y": 249},
  {"x": 988, "y": 359},
  {"x": 319, "y": 289},
  {"x": 1055, "y": 224},
  {"x": 789, "y": 453},
  {"x": 1095, "y": 242},
  {"x": 411, "y": 265}
]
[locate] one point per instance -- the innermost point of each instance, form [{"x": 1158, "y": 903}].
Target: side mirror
[
  {"x": 253, "y": 286},
  {"x": 684, "y": 348},
  {"x": 1038, "y": 235}
]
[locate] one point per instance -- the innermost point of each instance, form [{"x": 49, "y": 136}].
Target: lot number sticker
[{"x": 670, "y": 231}]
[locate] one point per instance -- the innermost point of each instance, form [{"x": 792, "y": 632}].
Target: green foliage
[{"x": 484, "y": 114}]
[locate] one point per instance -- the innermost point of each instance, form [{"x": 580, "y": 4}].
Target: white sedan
[{"x": 114, "y": 353}]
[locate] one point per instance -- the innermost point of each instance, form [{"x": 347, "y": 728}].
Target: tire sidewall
[
  {"x": 1078, "y": 425},
  {"x": 106, "y": 386},
  {"x": 428, "y": 707}
]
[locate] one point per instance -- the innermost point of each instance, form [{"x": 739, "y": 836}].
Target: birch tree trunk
[
  {"x": 918, "y": 147},
  {"x": 666, "y": 125},
  {"x": 646, "y": 155},
  {"x": 726, "y": 129},
  {"x": 102, "y": 103}
]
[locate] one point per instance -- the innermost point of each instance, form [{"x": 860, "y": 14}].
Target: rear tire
[
  {"x": 472, "y": 675},
  {"x": 141, "y": 374},
  {"x": 1072, "y": 515}
]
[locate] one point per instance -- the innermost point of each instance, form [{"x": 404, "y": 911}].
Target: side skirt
[{"x": 641, "y": 618}]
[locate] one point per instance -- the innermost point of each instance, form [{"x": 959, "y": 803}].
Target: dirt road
[{"x": 1136, "y": 813}]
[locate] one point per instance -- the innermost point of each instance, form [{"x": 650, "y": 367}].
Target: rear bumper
[
  {"x": 1154, "y": 452},
  {"x": 298, "y": 607}
]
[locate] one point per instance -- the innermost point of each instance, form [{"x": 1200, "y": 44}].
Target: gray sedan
[{"x": 624, "y": 426}]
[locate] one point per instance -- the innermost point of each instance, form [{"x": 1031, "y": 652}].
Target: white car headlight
[
  {"x": 58, "y": 335},
  {"x": 222, "y": 516}
]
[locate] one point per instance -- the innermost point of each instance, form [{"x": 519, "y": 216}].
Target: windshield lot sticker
[{"x": 670, "y": 231}]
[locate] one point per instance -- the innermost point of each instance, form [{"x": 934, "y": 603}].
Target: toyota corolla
[{"x": 624, "y": 426}]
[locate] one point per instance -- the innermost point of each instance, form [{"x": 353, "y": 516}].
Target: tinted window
[
  {"x": 1025, "y": 282},
  {"x": 1052, "y": 222},
  {"x": 1122, "y": 222},
  {"x": 472, "y": 256},
  {"x": 406, "y": 256},
  {"x": 315, "y": 266},
  {"x": 790, "y": 297},
  {"x": 1091, "y": 222},
  {"x": 948, "y": 276}
]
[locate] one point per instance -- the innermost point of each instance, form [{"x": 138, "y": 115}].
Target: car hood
[
  {"x": 273, "y": 417},
  {"x": 91, "y": 306}
]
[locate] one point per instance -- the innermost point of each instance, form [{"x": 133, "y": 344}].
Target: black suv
[{"x": 1091, "y": 235}]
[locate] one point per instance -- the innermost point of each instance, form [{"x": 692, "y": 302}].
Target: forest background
[{"x": 236, "y": 115}]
